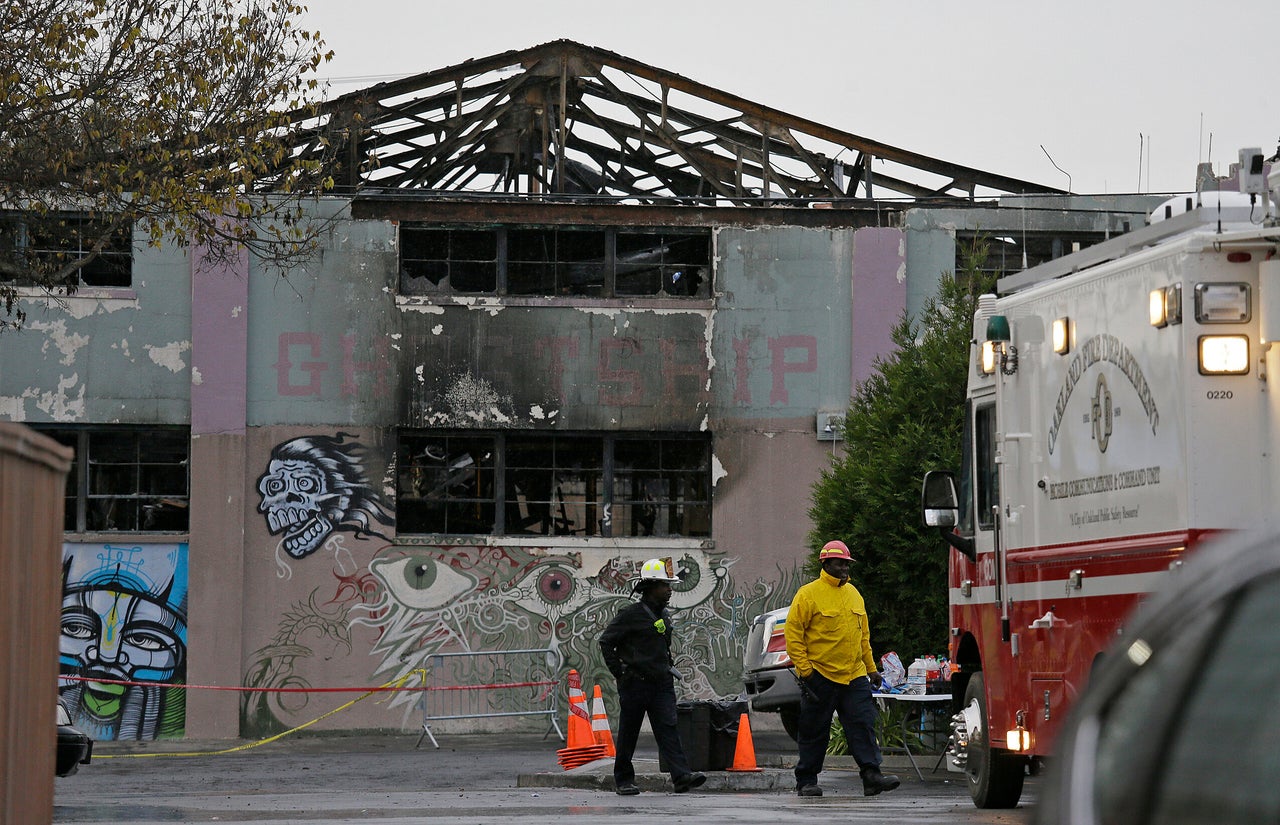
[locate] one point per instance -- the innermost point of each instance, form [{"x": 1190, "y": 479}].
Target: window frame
[
  {"x": 586, "y": 463},
  {"x": 85, "y": 473},
  {"x": 560, "y": 270}
]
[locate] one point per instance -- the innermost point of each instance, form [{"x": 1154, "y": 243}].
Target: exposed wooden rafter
[{"x": 567, "y": 119}]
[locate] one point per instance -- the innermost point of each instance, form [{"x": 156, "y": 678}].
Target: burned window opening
[
  {"x": 125, "y": 479},
  {"x": 542, "y": 261},
  {"x": 539, "y": 484}
]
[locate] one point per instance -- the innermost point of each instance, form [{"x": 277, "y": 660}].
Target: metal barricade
[{"x": 488, "y": 684}]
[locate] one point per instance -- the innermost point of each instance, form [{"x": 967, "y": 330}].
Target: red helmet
[{"x": 834, "y": 549}]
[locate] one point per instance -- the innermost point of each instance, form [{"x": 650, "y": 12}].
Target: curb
[{"x": 775, "y": 775}]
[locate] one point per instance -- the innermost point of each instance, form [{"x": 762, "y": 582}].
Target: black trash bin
[
  {"x": 725, "y": 715},
  {"x": 708, "y": 733}
]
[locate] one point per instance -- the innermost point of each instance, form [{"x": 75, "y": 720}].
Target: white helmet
[{"x": 657, "y": 570}]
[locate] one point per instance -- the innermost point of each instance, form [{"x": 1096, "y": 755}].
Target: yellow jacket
[{"x": 827, "y": 631}]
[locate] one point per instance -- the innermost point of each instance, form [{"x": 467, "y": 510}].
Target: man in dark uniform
[{"x": 637, "y": 651}]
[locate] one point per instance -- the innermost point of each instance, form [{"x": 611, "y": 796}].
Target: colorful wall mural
[
  {"x": 123, "y": 648},
  {"x": 411, "y": 598}
]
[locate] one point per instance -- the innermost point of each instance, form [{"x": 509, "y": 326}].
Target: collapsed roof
[{"x": 564, "y": 119}]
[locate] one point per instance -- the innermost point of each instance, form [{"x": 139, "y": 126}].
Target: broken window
[
  {"x": 1008, "y": 254},
  {"x": 554, "y": 484},
  {"x": 661, "y": 487},
  {"x": 604, "y": 262},
  {"x": 662, "y": 262},
  {"x": 555, "y": 262},
  {"x": 445, "y": 484},
  {"x": 126, "y": 479},
  {"x": 48, "y": 243},
  {"x": 448, "y": 260}
]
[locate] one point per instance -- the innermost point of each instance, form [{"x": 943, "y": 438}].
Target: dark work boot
[
  {"x": 689, "y": 780},
  {"x": 873, "y": 782}
]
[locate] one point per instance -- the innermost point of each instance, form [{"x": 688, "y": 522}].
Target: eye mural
[
  {"x": 124, "y": 619},
  {"x": 315, "y": 485},
  {"x": 494, "y": 598}
]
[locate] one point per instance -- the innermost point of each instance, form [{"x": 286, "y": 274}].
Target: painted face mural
[
  {"x": 315, "y": 485},
  {"x": 124, "y": 613}
]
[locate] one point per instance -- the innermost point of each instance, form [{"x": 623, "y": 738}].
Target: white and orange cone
[{"x": 600, "y": 724}]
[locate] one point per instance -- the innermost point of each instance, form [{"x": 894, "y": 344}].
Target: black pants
[
  {"x": 855, "y": 707},
  {"x": 658, "y": 699}
]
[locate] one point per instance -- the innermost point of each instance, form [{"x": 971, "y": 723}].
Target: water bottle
[{"x": 917, "y": 677}]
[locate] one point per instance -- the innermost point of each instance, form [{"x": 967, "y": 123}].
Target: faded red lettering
[
  {"x": 283, "y": 365},
  {"x": 624, "y": 347},
  {"x": 376, "y": 368},
  {"x": 781, "y": 366}
]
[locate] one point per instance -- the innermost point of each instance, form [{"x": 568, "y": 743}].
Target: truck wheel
[
  {"x": 994, "y": 776},
  {"x": 791, "y": 722}
]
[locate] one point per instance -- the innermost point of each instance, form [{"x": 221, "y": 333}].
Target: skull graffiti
[
  {"x": 294, "y": 497},
  {"x": 313, "y": 486}
]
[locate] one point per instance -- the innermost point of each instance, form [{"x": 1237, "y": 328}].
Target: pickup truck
[{"x": 770, "y": 683}]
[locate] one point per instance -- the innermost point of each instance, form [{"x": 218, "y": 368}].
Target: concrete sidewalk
[{"x": 775, "y": 758}]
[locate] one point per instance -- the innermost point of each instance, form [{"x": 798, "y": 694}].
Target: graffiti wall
[
  {"x": 123, "y": 648},
  {"x": 346, "y": 602}
]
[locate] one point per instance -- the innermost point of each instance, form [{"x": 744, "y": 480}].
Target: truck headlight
[{"x": 1224, "y": 354}]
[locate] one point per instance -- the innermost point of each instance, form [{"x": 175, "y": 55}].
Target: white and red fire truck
[{"x": 1122, "y": 408}]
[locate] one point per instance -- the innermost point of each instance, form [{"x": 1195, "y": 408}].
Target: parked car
[
  {"x": 766, "y": 670},
  {"x": 1179, "y": 722},
  {"x": 75, "y": 748}
]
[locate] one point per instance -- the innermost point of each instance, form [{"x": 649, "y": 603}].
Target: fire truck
[{"x": 1120, "y": 411}]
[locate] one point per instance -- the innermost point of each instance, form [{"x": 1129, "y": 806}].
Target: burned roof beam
[
  {"x": 669, "y": 142},
  {"x": 732, "y": 139},
  {"x": 724, "y": 168},
  {"x": 809, "y": 127},
  {"x": 439, "y": 154},
  {"x": 679, "y": 182}
]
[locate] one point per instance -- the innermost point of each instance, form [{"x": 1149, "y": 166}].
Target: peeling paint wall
[{"x": 119, "y": 356}]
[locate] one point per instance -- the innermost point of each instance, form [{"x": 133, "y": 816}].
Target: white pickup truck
[{"x": 766, "y": 670}]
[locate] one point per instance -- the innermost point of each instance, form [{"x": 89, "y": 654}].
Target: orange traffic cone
[
  {"x": 600, "y": 724},
  {"x": 580, "y": 735},
  {"x": 582, "y": 742},
  {"x": 744, "y": 756}
]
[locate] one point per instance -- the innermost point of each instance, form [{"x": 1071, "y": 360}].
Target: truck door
[{"x": 986, "y": 492}]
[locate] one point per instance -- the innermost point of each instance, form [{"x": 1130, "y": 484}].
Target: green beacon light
[{"x": 998, "y": 328}]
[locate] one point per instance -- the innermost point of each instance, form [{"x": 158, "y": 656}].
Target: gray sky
[{"x": 1124, "y": 95}]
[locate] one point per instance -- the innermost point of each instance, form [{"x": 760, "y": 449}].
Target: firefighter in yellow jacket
[{"x": 829, "y": 642}]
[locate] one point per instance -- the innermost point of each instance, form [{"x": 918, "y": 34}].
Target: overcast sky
[{"x": 1123, "y": 95}]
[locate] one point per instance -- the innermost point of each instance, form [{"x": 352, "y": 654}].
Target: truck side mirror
[
  {"x": 938, "y": 500},
  {"x": 939, "y": 506}
]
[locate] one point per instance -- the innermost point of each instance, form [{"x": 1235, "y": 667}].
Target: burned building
[{"x": 570, "y": 312}]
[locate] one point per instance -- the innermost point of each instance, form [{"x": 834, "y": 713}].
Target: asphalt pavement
[{"x": 324, "y": 779}]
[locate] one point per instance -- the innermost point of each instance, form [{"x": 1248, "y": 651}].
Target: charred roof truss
[{"x": 567, "y": 119}]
